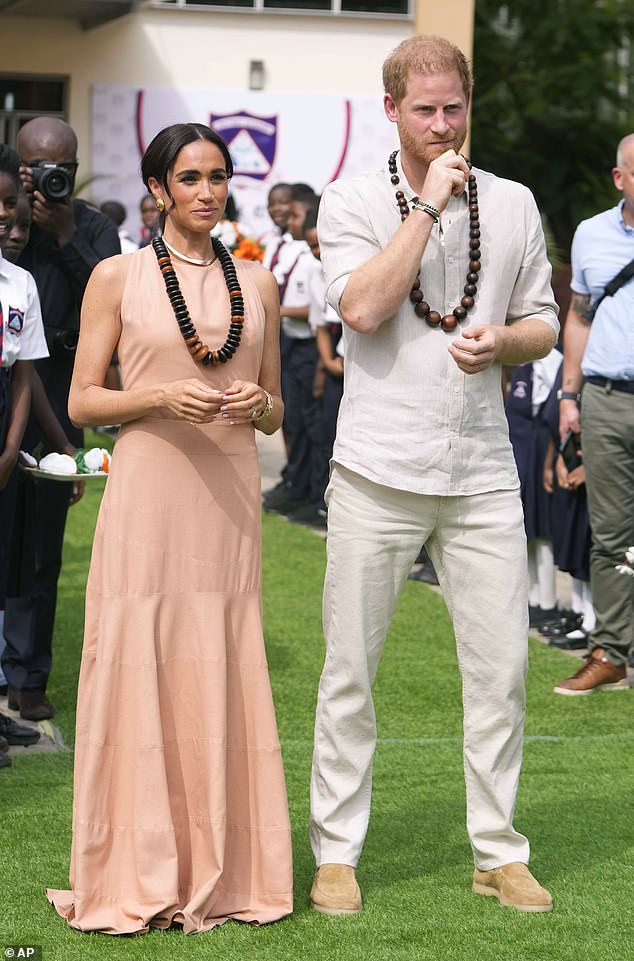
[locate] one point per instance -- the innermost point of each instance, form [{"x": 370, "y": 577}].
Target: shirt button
[
  {"x": 456, "y": 389},
  {"x": 450, "y": 260}
]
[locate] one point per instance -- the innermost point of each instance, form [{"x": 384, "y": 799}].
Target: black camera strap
[{"x": 625, "y": 274}]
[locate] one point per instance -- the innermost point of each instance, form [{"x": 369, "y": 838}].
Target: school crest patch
[{"x": 15, "y": 321}]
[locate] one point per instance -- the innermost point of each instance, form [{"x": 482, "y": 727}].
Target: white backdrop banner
[{"x": 273, "y": 137}]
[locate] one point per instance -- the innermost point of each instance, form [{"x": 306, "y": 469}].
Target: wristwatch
[
  {"x": 568, "y": 395},
  {"x": 418, "y": 204}
]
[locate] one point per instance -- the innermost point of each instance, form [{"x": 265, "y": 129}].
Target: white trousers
[{"x": 478, "y": 547}]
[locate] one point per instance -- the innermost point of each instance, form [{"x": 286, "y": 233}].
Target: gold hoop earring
[{"x": 160, "y": 204}]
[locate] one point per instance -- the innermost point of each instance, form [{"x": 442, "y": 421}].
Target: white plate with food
[
  {"x": 82, "y": 465},
  {"x": 52, "y": 475}
]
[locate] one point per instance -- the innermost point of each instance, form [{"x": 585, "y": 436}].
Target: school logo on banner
[
  {"x": 15, "y": 323},
  {"x": 252, "y": 141}
]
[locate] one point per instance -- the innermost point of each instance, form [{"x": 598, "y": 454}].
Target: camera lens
[
  {"x": 64, "y": 341},
  {"x": 55, "y": 184},
  {"x": 52, "y": 181}
]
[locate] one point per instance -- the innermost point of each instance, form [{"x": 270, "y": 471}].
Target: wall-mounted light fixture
[{"x": 256, "y": 74}]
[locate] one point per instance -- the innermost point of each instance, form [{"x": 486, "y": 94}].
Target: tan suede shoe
[
  {"x": 514, "y": 886},
  {"x": 335, "y": 890}
]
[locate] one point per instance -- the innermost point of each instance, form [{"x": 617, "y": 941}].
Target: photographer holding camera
[{"x": 68, "y": 239}]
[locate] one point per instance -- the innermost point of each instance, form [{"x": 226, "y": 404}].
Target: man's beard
[{"x": 426, "y": 152}]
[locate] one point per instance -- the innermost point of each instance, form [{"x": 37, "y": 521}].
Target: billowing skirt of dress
[{"x": 180, "y": 811}]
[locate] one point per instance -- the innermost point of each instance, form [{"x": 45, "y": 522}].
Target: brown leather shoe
[
  {"x": 514, "y": 886},
  {"x": 13, "y": 699},
  {"x": 335, "y": 890},
  {"x": 35, "y": 706},
  {"x": 597, "y": 674}
]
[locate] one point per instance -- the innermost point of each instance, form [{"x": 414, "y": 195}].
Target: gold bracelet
[{"x": 268, "y": 407}]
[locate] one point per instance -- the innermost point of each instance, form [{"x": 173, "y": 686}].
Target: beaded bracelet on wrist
[
  {"x": 199, "y": 351},
  {"x": 421, "y": 308}
]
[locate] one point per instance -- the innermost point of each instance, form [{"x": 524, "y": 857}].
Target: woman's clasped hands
[{"x": 196, "y": 402}]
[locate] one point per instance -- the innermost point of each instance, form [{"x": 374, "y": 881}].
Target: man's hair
[
  {"x": 303, "y": 193},
  {"x": 424, "y": 55},
  {"x": 10, "y": 163},
  {"x": 627, "y": 141},
  {"x": 115, "y": 211}
]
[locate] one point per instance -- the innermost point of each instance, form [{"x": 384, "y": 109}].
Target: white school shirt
[
  {"x": 281, "y": 251},
  {"x": 22, "y": 332},
  {"x": 289, "y": 262},
  {"x": 410, "y": 419},
  {"x": 320, "y": 313},
  {"x": 296, "y": 292},
  {"x": 128, "y": 246},
  {"x": 269, "y": 240},
  {"x": 545, "y": 373}
]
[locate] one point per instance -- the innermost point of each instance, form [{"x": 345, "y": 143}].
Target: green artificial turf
[{"x": 575, "y": 800}]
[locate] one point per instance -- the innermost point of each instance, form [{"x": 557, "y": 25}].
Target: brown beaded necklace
[
  {"x": 197, "y": 349},
  {"x": 421, "y": 308}
]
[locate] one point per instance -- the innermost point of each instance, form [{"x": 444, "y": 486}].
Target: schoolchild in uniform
[
  {"x": 571, "y": 535},
  {"x": 278, "y": 205},
  {"x": 529, "y": 389},
  {"x": 22, "y": 340},
  {"x": 291, "y": 267},
  {"x": 326, "y": 325}
]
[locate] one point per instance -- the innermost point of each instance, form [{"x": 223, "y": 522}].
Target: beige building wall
[
  {"x": 452, "y": 19},
  {"x": 169, "y": 48}
]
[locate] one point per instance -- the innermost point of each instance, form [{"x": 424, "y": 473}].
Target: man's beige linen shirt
[{"x": 409, "y": 418}]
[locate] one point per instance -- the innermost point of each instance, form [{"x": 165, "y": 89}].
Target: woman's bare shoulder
[
  {"x": 110, "y": 275},
  {"x": 112, "y": 270}
]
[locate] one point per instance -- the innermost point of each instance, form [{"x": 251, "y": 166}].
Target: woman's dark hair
[
  {"x": 303, "y": 193},
  {"x": 310, "y": 220},
  {"x": 162, "y": 152},
  {"x": 231, "y": 211},
  {"x": 281, "y": 186},
  {"x": 10, "y": 163}
]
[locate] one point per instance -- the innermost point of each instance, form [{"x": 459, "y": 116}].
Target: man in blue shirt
[{"x": 599, "y": 356}]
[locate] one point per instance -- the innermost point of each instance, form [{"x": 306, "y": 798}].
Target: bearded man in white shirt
[{"x": 439, "y": 273}]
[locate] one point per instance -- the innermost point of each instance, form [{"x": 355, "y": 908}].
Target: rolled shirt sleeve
[
  {"x": 532, "y": 294},
  {"x": 346, "y": 238}
]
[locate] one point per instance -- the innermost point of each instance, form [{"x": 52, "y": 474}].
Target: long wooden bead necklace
[
  {"x": 199, "y": 351},
  {"x": 421, "y": 308}
]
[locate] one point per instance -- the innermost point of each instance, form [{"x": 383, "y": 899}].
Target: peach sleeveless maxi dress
[{"x": 180, "y": 811}]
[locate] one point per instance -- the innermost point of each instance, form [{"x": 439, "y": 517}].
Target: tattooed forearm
[{"x": 581, "y": 305}]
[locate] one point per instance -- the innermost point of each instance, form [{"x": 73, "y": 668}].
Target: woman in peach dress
[{"x": 180, "y": 813}]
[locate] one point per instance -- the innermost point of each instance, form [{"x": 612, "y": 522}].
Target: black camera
[
  {"x": 61, "y": 341},
  {"x": 570, "y": 450},
  {"x": 54, "y": 182}
]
